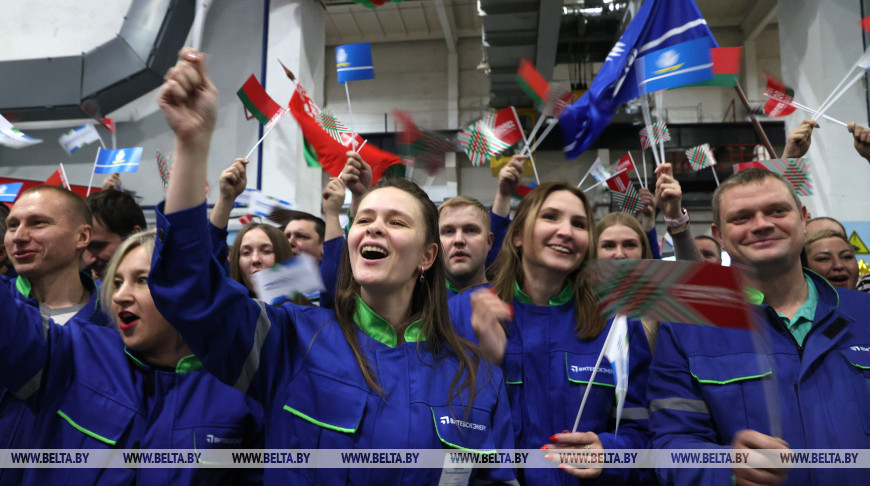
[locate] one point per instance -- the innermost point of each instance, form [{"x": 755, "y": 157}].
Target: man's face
[
  {"x": 709, "y": 251},
  {"x": 43, "y": 237},
  {"x": 760, "y": 227},
  {"x": 465, "y": 241},
  {"x": 103, "y": 244},
  {"x": 303, "y": 238}
]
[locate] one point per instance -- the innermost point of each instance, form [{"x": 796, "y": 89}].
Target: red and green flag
[
  {"x": 337, "y": 130},
  {"x": 726, "y": 67},
  {"x": 651, "y": 136},
  {"x": 421, "y": 148},
  {"x": 622, "y": 192},
  {"x": 481, "y": 141},
  {"x": 523, "y": 190},
  {"x": 781, "y": 102},
  {"x": 701, "y": 157},
  {"x": 674, "y": 291},
  {"x": 322, "y": 150},
  {"x": 551, "y": 99},
  {"x": 258, "y": 103}
]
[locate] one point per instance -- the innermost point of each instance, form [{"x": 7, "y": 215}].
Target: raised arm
[
  {"x": 189, "y": 102},
  {"x": 669, "y": 198},
  {"x": 233, "y": 181}
]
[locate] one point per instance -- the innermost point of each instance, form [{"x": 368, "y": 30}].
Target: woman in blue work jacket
[
  {"x": 93, "y": 388},
  {"x": 552, "y": 336},
  {"x": 384, "y": 370}
]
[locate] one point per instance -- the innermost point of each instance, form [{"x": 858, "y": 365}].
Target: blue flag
[
  {"x": 658, "y": 24},
  {"x": 353, "y": 62},
  {"x": 8, "y": 192},
  {"x": 121, "y": 160},
  {"x": 675, "y": 66}
]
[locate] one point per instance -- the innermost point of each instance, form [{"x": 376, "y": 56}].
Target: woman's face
[
  {"x": 559, "y": 237},
  {"x": 835, "y": 260},
  {"x": 255, "y": 254},
  {"x": 387, "y": 241},
  {"x": 143, "y": 329},
  {"x": 619, "y": 242}
]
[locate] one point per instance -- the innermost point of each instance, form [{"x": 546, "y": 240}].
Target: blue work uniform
[
  {"x": 87, "y": 392},
  {"x": 297, "y": 362},
  {"x": 16, "y": 419},
  {"x": 708, "y": 383},
  {"x": 547, "y": 368},
  {"x": 452, "y": 290},
  {"x": 499, "y": 226}
]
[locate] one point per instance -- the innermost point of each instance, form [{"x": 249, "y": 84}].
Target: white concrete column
[
  {"x": 297, "y": 37},
  {"x": 820, "y": 42}
]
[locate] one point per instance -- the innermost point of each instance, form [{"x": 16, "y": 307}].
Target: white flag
[
  {"x": 616, "y": 351},
  {"x": 78, "y": 138},
  {"x": 13, "y": 137},
  {"x": 298, "y": 275}
]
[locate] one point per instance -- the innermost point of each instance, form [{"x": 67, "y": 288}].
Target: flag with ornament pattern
[
  {"x": 701, "y": 157},
  {"x": 796, "y": 171},
  {"x": 652, "y": 135},
  {"x": 479, "y": 141},
  {"x": 622, "y": 192},
  {"x": 674, "y": 291}
]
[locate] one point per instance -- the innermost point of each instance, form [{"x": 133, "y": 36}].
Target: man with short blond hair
[
  {"x": 709, "y": 388},
  {"x": 466, "y": 239}
]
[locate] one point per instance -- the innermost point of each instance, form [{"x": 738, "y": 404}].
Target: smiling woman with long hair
[
  {"x": 386, "y": 369},
  {"x": 552, "y": 336}
]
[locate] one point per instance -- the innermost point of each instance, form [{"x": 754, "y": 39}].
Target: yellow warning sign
[{"x": 857, "y": 244}]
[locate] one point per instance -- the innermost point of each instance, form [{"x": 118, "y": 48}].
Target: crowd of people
[{"x": 114, "y": 335}]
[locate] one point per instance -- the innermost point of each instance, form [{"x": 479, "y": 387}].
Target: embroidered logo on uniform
[
  {"x": 213, "y": 439},
  {"x": 468, "y": 425},
  {"x": 860, "y": 348},
  {"x": 578, "y": 369}
]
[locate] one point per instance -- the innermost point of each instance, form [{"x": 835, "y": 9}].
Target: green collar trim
[
  {"x": 451, "y": 287},
  {"x": 561, "y": 298},
  {"x": 25, "y": 287},
  {"x": 756, "y": 297},
  {"x": 377, "y": 328},
  {"x": 186, "y": 364}
]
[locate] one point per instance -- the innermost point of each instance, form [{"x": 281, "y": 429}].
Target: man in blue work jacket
[{"x": 804, "y": 387}]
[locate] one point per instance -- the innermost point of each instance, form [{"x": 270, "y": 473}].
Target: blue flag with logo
[
  {"x": 8, "y": 192},
  {"x": 658, "y": 24},
  {"x": 120, "y": 160},
  {"x": 353, "y": 62},
  {"x": 675, "y": 66}
]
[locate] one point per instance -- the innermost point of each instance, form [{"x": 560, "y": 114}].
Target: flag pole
[
  {"x": 526, "y": 145},
  {"x": 550, "y": 124},
  {"x": 643, "y": 157},
  {"x": 758, "y": 130},
  {"x": 349, "y": 110},
  {"x": 713, "y": 168},
  {"x": 593, "y": 186},
  {"x": 261, "y": 138},
  {"x": 93, "y": 171},
  {"x": 647, "y": 119},
  {"x": 825, "y": 108},
  {"x": 824, "y": 105},
  {"x": 813, "y": 112},
  {"x": 589, "y": 171},
  {"x": 532, "y": 134},
  {"x": 592, "y": 378},
  {"x": 659, "y": 102},
  {"x": 635, "y": 170}
]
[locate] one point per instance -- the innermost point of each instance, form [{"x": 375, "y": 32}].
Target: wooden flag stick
[{"x": 755, "y": 124}]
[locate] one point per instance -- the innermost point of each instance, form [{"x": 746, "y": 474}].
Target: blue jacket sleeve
[
  {"x": 228, "y": 331},
  {"x": 633, "y": 432},
  {"x": 679, "y": 416},
  {"x": 329, "y": 270},
  {"x": 499, "y": 226},
  {"x": 29, "y": 343},
  {"x": 654, "y": 243},
  {"x": 219, "y": 245}
]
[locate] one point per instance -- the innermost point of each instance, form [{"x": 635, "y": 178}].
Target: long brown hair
[
  {"x": 428, "y": 303},
  {"x": 509, "y": 264},
  {"x": 629, "y": 221},
  {"x": 280, "y": 246}
]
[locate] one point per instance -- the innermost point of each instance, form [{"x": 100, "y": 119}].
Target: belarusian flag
[
  {"x": 531, "y": 81},
  {"x": 506, "y": 127},
  {"x": 674, "y": 291},
  {"x": 321, "y": 149},
  {"x": 258, "y": 102},
  {"x": 521, "y": 191},
  {"x": 701, "y": 157},
  {"x": 421, "y": 148},
  {"x": 58, "y": 178},
  {"x": 625, "y": 163},
  {"x": 337, "y": 130},
  {"x": 781, "y": 99},
  {"x": 726, "y": 67}
]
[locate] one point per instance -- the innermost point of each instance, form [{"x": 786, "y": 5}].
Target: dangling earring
[{"x": 422, "y": 277}]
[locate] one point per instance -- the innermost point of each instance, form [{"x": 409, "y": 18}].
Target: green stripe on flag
[
  {"x": 252, "y": 108},
  {"x": 310, "y": 155}
]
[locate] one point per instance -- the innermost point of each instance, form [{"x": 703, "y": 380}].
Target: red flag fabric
[
  {"x": 331, "y": 154},
  {"x": 257, "y": 101},
  {"x": 625, "y": 164},
  {"x": 674, "y": 291},
  {"x": 619, "y": 182},
  {"x": 507, "y": 126},
  {"x": 755, "y": 164},
  {"x": 535, "y": 86},
  {"x": 865, "y": 24},
  {"x": 108, "y": 123},
  {"x": 781, "y": 98},
  {"x": 58, "y": 178}
]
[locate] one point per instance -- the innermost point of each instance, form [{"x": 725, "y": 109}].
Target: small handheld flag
[
  {"x": 8, "y": 192},
  {"x": 615, "y": 349},
  {"x": 298, "y": 275},
  {"x": 58, "y": 178},
  {"x": 120, "y": 160},
  {"x": 259, "y": 103},
  {"x": 624, "y": 193},
  {"x": 79, "y": 137},
  {"x": 678, "y": 65},
  {"x": 13, "y": 137},
  {"x": 353, "y": 62},
  {"x": 796, "y": 171}
]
